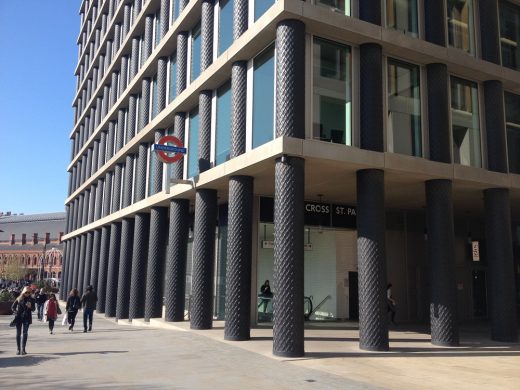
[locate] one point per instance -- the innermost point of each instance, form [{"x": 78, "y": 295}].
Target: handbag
[
  {"x": 59, "y": 310},
  {"x": 14, "y": 322},
  {"x": 64, "y": 321}
]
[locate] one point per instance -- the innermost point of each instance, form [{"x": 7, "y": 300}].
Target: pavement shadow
[{"x": 23, "y": 361}]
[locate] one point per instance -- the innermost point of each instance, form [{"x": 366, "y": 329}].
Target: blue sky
[{"x": 38, "y": 54}]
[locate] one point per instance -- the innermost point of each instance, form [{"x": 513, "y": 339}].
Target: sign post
[{"x": 168, "y": 154}]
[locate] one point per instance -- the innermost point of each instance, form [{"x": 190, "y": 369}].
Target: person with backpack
[{"x": 72, "y": 307}]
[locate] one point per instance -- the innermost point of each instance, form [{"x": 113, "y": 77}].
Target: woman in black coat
[
  {"x": 23, "y": 307},
  {"x": 73, "y": 305}
]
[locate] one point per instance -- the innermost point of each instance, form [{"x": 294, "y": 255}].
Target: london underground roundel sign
[{"x": 167, "y": 152}]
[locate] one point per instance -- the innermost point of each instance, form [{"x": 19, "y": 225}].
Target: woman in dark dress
[
  {"x": 23, "y": 307},
  {"x": 73, "y": 305}
]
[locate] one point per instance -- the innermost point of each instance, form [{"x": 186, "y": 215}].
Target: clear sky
[{"x": 38, "y": 54}]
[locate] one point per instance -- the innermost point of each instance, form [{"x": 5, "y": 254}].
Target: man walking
[
  {"x": 40, "y": 297},
  {"x": 88, "y": 302}
]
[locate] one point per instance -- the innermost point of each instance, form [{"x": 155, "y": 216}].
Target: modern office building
[{"x": 332, "y": 147}]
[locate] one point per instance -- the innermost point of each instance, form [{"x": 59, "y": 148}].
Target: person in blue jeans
[
  {"x": 88, "y": 302},
  {"x": 23, "y": 307}
]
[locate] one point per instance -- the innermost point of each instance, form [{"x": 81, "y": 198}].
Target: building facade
[
  {"x": 332, "y": 147},
  {"x": 31, "y": 246}
]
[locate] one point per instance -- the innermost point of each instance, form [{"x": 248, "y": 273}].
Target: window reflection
[
  {"x": 195, "y": 52},
  {"x": 401, "y": 15},
  {"x": 510, "y": 34},
  {"x": 225, "y": 27},
  {"x": 261, "y": 6},
  {"x": 460, "y": 25},
  {"x": 193, "y": 143},
  {"x": 512, "y": 105},
  {"x": 223, "y": 128},
  {"x": 465, "y": 122},
  {"x": 263, "y": 97},
  {"x": 341, "y": 6},
  {"x": 332, "y": 100}
]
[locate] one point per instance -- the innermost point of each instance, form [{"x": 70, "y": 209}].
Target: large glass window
[
  {"x": 173, "y": 77},
  {"x": 341, "y": 6},
  {"x": 223, "y": 129},
  {"x": 225, "y": 25},
  {"x": 261, "y": 6},
  {"x": 195, "y": 52},
  {"x": 193, "y": 143},
  {"x": 460, "y": 25},
  {"x": 174, "y": 9},
  {"x": 512, "y": 103},
  {"x": 465, "y": 122},
  {"x": 404, "y": 108},
  {"x": 332, "y": 92},
  {"x": 510, "y": 34},
  {"x": 401, "y": 15},
  {"x": 263, "y": 97}
]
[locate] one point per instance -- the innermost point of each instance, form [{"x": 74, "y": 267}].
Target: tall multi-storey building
[{"x": 332, "y": 147}]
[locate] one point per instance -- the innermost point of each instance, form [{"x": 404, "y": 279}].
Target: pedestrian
[
  {"x": 51, "y": 311},
  {"x": 391, "y": 302},
  {"x": 40, "y": 297},
  {"x": 265, "y": 294},
  {"x": 88, "y": 302},
  {"x": 73, "y": 305},
  {"x": 23, "y": 307}
]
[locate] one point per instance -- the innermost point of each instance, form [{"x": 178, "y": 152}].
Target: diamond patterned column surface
[
  {"x": 499, "y": 249},
  {"x": 156, "y": 260},
  {"x": 96, "y": 254},
  {"x": 102, "y": 148},
  {"x": 131, "y": 121},
  {"x": 495, "y": 126},
  {"x": 203, "y": 259},
  {"x": 238, "y": 107},
  {"x": 65, "y": 268},
  {"x": 147, "y": 46},
  {"x": 182, "y": 61},
  {"x": 92, "y": 205},
  {"x": 144, "y": 103},
  {"x": 175, "y": 288},
  {"x": 179, "y": 132},
  {"x": 111, "y": 139},
  {"x": 77, "y": 263},
  {"x": 165, "y": 17},
  {"x": 126, "y": 19},
  {"x": 140, "y": 174},
  {"x": 124, "y": 75},
  {"x": 88, "y": 261},
  {"x": 134, "y": 59},
  {"x": 288, "y": 257},
  {"x": 113, "y": 269},
  {"x": 438, "y": 112},
  {"x": 204, "y": 152},
  {"x": 373, "y": 316},
  {"x": 108, "y": 193},
  {"x": 127, "y": 182},
  {"x": 99, "y": 199},
  {"x": 104, "y": 253},
  {"x": 120, "y": 138},
  {"x": 125, "y": 269},
  {"x": 238, "y": 271},
  {"x": 162, "y": 72},
  {"x": 156, "y": 171},
  {"x": 116, "y": 192},
  {"x": 206, "y": 28},
  {"x": 441, "y": 248},
  {"x": 139, "y": 262},
  {"x": 240, "y": 17},
  {"x": 182, "y": 5},
  {"x": 371, "y": 97},
  {"x": 81, "y": 267}
]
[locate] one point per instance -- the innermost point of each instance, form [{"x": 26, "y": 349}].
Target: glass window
[
  {"x": 404, "y": 109},
  {"x": 261, "y": 6},
  {"x": 173, "y": 77},
  {"x": 510, "y": 34},
  {"x": 152, "y": 165},
  {"x": 401, "y": 15},
  {"x": 460, "y": 25},
  {"x": 332, "y": 96},
  {"x": 341, "y": 6},
  {"x": 263, "y": 97},
  {"x": 174, "y": 9},
  {"x": 195, "y": 52},
  {"x": 512, "y": 103},
  {"x": 157, "y": 30},
  {"x": 225, "y": 28},
  {"x": 465, "y": 122},
  {"x": 193, "y": 143},
  {"x": 155, "y": 97},
  {"x": 223, "y": 130}
]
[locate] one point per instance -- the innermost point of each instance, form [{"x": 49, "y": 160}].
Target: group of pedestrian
[{"x": 48, "y": 309}]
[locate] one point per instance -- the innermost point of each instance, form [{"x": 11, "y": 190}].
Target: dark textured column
[
  {"x": 206, "y": 31},
  {"x": 106, "y": 101},
  {"x": 95, "y": 157},
  {"x": 74, "y": 178},
  {"x": 156, "y": 169},
  {"x": 179, "y": 132},
  {"x": 370, "y": 11},
  {"x": 102, "y": 149},
  {"x": 99, "y": 199},
  {"x": 162, "y": 71},
  {"x": 81, "y": 265},
  {"x": 203, "y": 259},
  {"x": 131, "y": 120},
  {"x": 113, "y": 89},
  {"x": 238, "y": 107},
  {"x": 489, "y": 30},
  {"x": 92, "y": 203},
  {"x": 140, "y": 174},
  {"x": 438, "y": 113},
  {"x": 120, "y": 130},
  {"x": 96, "y": 253},
  {"x": 134, "y": 59},
  {"x": 499, "y": 250},
  {"x": 88, "y": 261},
  {"x": 495, "y": 126},
  {"x": 124, "y": 75},
  {"x": 108, "y": 54},
  {"x": 182, "y": 61},
  {"x": 117, "y": 37},
  {"x": 64, "y": 269},
  {"x": 108, "y": 193},
  {"x": 156, "y": 261},
  {"x": 441, "y": 248},
  {"x": 147, "y": 46},
  {"x": 99, "y": 109},
  {"x": 73, "y": 275},
  {"x": 111, "y": 9},
  {"x": 126, "y": 19},
  {"x": 373, "y": 318},
  {"x": 371, "y": 97},
  {"x": 175, "y": 289},
  {"x": 139, "y": 261},
  {"x": 84, "y": 218},
  {"x": 128, "y": 180},
  {"x": 125, "y": 268},
  {"x": 111, "y": 139},
  {"x": 89, "y": 164},
  {"x": 240, "y": 17},
  {"x": 435, "y": 22},
  {"x": 113, "y": 269},
  {"x": 104, "y": 253},
  {"x": 165, "y": 17},
  {"x": 182, "y": 4},
  {"x": 101, "y": 68},
  {"x": 94, "y": 87},
  {"x": 238, "y": 272},
  {"x": 137, "y": 9},
  {"x": 204, "y": 152},
  {"x": 116, "y": 192},
  {"x": 144, "y": 104}
]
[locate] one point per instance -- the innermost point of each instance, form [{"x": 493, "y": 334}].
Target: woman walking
[
  {"x": 73, "y": 305},
  {"x": 51, "y": 311},
  {"x": 23, "y": 307}
]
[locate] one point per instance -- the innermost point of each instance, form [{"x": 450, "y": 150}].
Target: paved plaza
[{"x": 161, "y": 355}]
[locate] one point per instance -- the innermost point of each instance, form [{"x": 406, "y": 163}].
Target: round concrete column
[
  {"x": 139, "y": 261},
  {"x": 103, "y": 268},
  {"x": 125, "y": 269},
  {"x": 113, "y": 269},
  {"x": 438, "y": 113}
]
